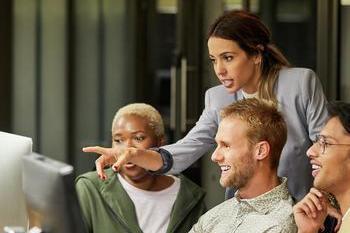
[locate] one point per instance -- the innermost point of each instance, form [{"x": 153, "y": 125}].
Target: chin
[
  {"x": 134, "y": 174},
  {"x": 232, "y": 90},
  {"x": 224, "y": 183},
  {"x": 320, "y": 185}
]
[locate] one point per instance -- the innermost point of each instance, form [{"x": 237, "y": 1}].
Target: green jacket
[{"x": 107, "y": 207}]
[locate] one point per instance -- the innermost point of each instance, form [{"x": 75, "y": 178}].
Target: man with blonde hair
[{"x": 250, "y": 139}]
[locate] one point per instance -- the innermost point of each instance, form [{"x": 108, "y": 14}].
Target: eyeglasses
[{"x": 323, "y": 144}]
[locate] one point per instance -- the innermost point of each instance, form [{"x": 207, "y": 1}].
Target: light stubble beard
[{"x": 240, "y": 174}]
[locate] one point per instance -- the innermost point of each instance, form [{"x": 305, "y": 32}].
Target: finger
[
  {"x": 303, "y": 208},
  {"x": 310, "y": 210},
  {"x": 123, "y": 158},
  {"x": 316, "y": 192},
  {"x": 100, "y": 164},
  {"x": 96, "y": 149},
  {"x": 317, "y": 201},
  {"x": 337, "y": 227},
  {"x": 309, "y": 202},
  {"x": 322, "y": 228}
]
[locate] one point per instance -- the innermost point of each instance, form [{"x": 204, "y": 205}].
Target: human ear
[
  {"x": 257, "y": 59},
  {"x": 262, "y": 150},
  {"x": 258, "y": 56}
]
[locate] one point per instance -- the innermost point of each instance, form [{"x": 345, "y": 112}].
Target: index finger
[
  {"x": 100, "y": 164},
  {"x": 95, "y": 149}
]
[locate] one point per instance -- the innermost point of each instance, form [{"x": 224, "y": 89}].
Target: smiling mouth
[
  {"x": 129, "y": 165},
  {"x": 225, "y": 168},
  {"x": 315, "y": 169}
]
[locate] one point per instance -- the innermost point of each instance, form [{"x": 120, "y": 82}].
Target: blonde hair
[
  {"x": 272, "y": 62},
  {"x": 264, "y": 121},
  {"x": 145, "y": 111}
]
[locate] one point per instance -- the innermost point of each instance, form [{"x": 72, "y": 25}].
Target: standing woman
[{"x": 248, "y": 65}]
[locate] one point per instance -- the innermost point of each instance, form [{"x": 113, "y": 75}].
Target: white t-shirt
[
  {"x": 153, "y": 208},
  {"x": 249, "y": 96}
]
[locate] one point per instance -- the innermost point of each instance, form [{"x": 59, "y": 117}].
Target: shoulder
[
  {"x": 221, "y": 209},
  {"x": 297, "y": 80},
  {"x": 92, "y": 175},
  {"x": 283, "y": 212},
  {"x": 216, "y": 89},
  {"x": 217, "y": 97},
  {"x": 215, "y": 215},
  {"x": 296, "y": 73},
  {"x": 92, "y": 179},
  {"x": 187, "y": 184},
  {"x": 216, "y": 92}
]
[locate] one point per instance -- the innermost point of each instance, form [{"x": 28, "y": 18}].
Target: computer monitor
[
  {"x": 50, "y": 195},
  {"x": 12, "y": 205}
]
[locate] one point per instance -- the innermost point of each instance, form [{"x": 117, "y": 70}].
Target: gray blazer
[{"x": 302, "y": 103}]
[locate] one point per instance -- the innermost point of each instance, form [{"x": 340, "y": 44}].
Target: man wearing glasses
[{"x": 330, "y": 160}]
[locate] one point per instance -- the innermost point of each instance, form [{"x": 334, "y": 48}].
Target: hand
[
  {"x": 311, "y": 212},
  {"x": 115, "y": 157}
]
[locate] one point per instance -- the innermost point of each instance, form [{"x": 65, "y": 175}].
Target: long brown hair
[{"x": 249, "y": 32}]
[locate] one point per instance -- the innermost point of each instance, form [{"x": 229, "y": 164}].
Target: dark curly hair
[{"x": 341, "y": 110}]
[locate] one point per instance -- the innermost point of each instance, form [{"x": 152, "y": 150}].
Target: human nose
[
  {"x": 129, "y": 143},
  {"x": 216, "y": 156},
  {"x": 220, "y": 69},
  {"x": 313, "y": 151}
]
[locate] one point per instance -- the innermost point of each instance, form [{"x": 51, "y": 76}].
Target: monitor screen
[
  {"x": 50, "y": 195},
  {"x": 12, "y": 205}
]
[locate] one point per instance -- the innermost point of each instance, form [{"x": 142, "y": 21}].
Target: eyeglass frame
[{"x": 321, "y": 142}]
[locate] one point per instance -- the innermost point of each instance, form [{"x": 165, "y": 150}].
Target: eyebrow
[
  {"x": 221, "y": 141},
  {"x": 134, "y": 132},
  {"x": 328, "y": 137},
  {"x": 223, "y": 54}
]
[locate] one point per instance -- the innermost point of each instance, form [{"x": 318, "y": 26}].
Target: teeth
[
  {"x": 315, "y": 167},
  {"x": 225, "y": 168}
]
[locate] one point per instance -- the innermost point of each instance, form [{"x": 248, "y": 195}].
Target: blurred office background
[{"x": 66, "y": 66}]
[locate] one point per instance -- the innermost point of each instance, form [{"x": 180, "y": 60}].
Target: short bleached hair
[{"x": 144, "y": 111}]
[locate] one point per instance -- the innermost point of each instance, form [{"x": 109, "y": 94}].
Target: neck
[
  {"x": 251, "y": 89},
  {"x": 254, "y": 83},
  {"x": 147, "y": 182},
  {"x": 261, "y": 183}
]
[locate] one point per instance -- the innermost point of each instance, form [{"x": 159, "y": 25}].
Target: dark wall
[{"x": 5, "y": 64}]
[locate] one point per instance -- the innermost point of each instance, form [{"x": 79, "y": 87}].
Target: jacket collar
[
  {"x": 190, "y": 196},
  {"x": 122, "y": 207}
]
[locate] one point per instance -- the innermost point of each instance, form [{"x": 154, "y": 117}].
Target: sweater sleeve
[
  {"x": 197, "y": 142},
  {"x": 314, "y": 103}
]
